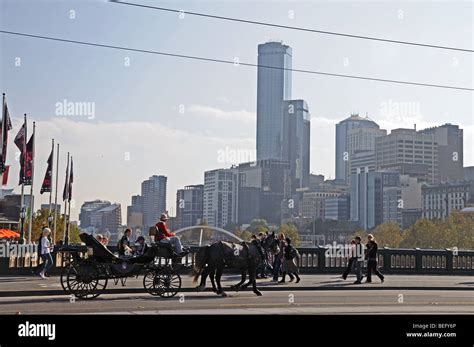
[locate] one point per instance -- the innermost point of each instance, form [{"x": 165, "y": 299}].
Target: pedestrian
[
  {"x": 371, "y": 256},
  {"x": 351, "y": 259},
  {"x": 124, "y": 243},
  {"x": 278, "y": 258},
  {"x": 46, "y": 247},
  {"x": 358, "y": 259},
  {"x": 290, "y": 258},
  {"x": 141, "y": 246}
]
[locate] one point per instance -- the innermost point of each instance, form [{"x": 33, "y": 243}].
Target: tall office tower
[
  {"x": 375, "y": 198},
  {"x": 273, "y": 87},
  {"x": 408, "y": 151},
  {"x": 219, "y": 207},
  {"x": 296, "y": 141},
  {"x": 354, "y": 134},
  {"x": 189, "y": 206},
  {"x": 154, "y": 199},
  {"x": 450, "y": 151}
]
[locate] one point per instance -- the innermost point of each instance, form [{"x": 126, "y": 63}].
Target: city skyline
[{"x": 165, "y": 145}]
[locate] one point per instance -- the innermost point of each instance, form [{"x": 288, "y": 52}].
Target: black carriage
[{"x": 88, "y": 268}]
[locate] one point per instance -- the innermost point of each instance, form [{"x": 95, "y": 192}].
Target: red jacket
[{"x": 163, "y": 232}]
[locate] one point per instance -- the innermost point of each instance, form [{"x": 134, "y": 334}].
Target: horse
[{"x": 245, "y": 257}]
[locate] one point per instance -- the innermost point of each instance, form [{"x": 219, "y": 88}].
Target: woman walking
[
  {"x": 290, "y": 258},
  {"x": 45, "y": 249}
]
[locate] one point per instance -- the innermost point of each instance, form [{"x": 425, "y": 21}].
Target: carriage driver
[{"x": 163, "y": 235}]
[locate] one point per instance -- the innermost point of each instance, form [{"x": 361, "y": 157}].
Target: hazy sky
[{"x": 176, "y": 117}]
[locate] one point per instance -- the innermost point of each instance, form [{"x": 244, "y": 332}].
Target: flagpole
[
  {"x": 3, "y": 126},
  {"x": 22, "y": 173},
  {"x": 30, "y": 225},
  {"x": 50, "y": 217},
  {"x": 65, "y": 201},
  {"x": 56, "y": 196}
]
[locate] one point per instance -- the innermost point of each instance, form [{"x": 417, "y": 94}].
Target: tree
[
  {"x": 388, "y": 234},
  {"x": 290, "y": 231},
  {"x": 40, "y": 220},
  {"x": 258, "y": 226},
  {"x": 243, "y": 234}
]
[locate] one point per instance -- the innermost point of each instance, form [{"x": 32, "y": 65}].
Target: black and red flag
[
  {"x": 20, "y": 142},
  {"x": 48, "y": 177},
  {"x": 5, "y": 175},
  {"x": 6, "y": 126},
  {"x": 70, "y": 183},
  {"x": 66, "y": 182},
  {"x": 28, "y": 162}
]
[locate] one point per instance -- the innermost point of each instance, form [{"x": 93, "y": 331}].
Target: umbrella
[{"x": 8, "y": 234}]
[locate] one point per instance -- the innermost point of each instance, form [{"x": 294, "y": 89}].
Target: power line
[
  {"x": 223, "y": 61},
  {"x": 232, "y": 19}
]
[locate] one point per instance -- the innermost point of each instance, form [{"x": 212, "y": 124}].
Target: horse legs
[
  {"x": 219, "y": 272},
  {"x": 211, "y": 276},
  {"x": 204, "y": 275},
  {"x": 252, "y": 275},
  {"x": 237, "y": 286}
]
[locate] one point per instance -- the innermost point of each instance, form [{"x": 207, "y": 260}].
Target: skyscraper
[
  {"x": 154, "y": 199},
  {"x": 273, "y": 87},
  {"x": 219, "y": 207},
  {"x": 353, "y": 134},
  {"x": 296, "y": 141}
]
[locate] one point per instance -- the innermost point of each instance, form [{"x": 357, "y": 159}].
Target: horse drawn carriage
[{"x": 88, "y": 268}]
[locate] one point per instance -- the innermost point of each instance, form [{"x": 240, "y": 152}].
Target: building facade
[
  {"x": 153, "y": 193},
  {"x": 219, "y": 197},
  {"x": 189, "y": 206},
  {"x": 439, "y": 200}
]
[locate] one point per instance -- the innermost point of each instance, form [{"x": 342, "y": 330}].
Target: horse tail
[{"x": 200, "y": 261}]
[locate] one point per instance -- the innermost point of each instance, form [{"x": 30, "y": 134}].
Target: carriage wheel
[
  {"x": 163, "y": 282},
  {"x": 84, "y": 281}
]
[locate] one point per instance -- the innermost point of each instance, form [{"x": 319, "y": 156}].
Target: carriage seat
[{"x": 100, "y": 252}]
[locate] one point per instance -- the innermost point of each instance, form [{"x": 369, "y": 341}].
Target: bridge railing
[{"x": 314, "y": 260}]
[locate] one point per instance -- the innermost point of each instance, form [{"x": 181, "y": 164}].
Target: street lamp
[{"x": 22, "y": 225}]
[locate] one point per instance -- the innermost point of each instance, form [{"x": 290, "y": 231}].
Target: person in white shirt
[{"x": 45, "y": 251}]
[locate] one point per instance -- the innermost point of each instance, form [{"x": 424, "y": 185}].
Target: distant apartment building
[
  {"x": 439, "y": 200},
  {"x": 407, "y": 146},
  {"x": 449, "y": 139},
  {"x": 219, "y": 195},
  {"x": 88, "y": 208},
  {"x": 354, "y": 134},
  {"x": 153, "y": 193},
  {"x": 46, "y": 207},
  {"x": 375, "y": 198},
  {"x": 189, "y": 206},
  {"x": 362, "y": 160},
  {"x": 135, "y": 212},
  {"x": 469, "y": 177},
  {"x": 313, "y": 203},
  {"x": 261, "y": 188},
  {"x": 337, "y": 208}
]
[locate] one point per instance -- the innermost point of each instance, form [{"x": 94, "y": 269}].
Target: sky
[{"x": 162, "y": 115}]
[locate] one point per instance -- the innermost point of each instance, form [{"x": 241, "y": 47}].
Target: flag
[
  {"x": 26, "y": 162},
  {"x": 6, "y": 126},
  {"x": 66, "y": 183},
  {"x": 48, "y": 177},
  {"x": 5, "y": 175},
  {"x": 20, "y": 142},
  {"x": 70, "y": 183}
]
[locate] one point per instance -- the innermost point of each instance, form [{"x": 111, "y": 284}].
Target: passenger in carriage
[
  {"x": 124, "y": 243},
  {"x": 164, "y": 236},
  {"x": 141, "y": 248}
]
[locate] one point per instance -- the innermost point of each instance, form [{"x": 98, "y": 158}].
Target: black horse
[{"x": 245, "y": 257}]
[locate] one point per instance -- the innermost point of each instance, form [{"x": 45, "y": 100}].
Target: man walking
[
  {"x": 358, "y": 259},
  {"x": 371, "y": 255}
]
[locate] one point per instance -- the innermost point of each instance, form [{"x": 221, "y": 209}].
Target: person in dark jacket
[
  {"x": 351, "y": 260},
  {"x": 371, "y": 256},
  {"x": 290, "y": 259},
  {"x": 124, "y": 243}
]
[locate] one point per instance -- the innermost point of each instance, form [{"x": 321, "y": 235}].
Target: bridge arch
[{"x": 205, "y": 227}]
